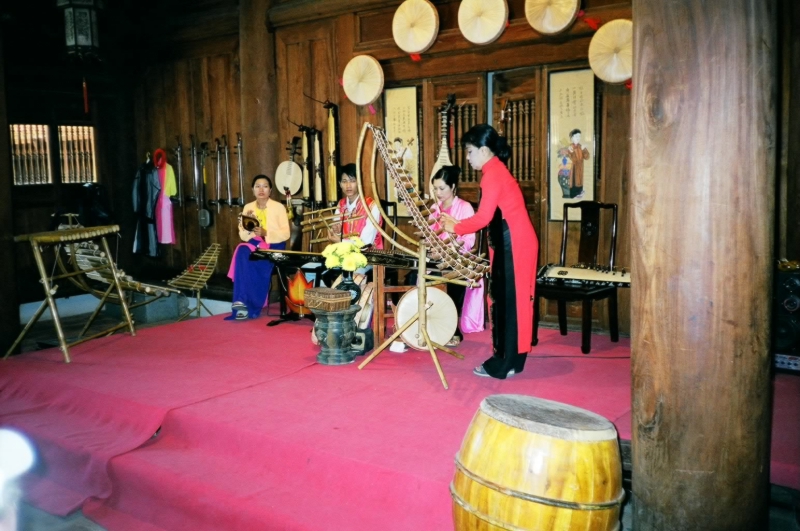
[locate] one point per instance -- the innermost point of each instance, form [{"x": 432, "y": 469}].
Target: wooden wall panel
[
  {"x": 454, "y": 65},
  {"x": 197, "y": 96},
  {"x": 9, "y": 314}
]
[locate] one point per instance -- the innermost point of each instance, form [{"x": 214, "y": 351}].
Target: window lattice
[
  {"x": 78, "y": 161},
  {"x": 520, "y": 130},
  {"x": 30, "y": 154}
]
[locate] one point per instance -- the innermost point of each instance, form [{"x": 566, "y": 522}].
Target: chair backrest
[
  {"x": 390, "y": 207},
  {"x": 589, "y": 243}
]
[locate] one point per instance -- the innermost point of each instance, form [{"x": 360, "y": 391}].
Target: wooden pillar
[
  {"x": 702, "y": 209},
  {"x": 788, "y": 230},
  {"x": 258, "y": 92},
  {"x": 9, "y": 305}
]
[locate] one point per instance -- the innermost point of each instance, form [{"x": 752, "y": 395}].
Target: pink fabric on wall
[{"x": 164, "y": 222}]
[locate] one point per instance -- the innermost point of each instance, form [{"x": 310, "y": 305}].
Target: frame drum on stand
[
  {"x": 442, "y": 317},
  {"x": 534, "y": 464}
]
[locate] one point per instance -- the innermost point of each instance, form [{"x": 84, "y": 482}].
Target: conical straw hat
[
  {"x": 363, "y": 79},
  {"x": 611, "y": 51},
  {"x": 415, "y": 26},
  {"x": 482, "y": 21},
  {"x": 549, "y": 17}
]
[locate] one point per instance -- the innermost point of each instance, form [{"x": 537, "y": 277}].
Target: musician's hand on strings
[
  {"x": 334, "y": 237},
  {"x": 448, "y": 222}
]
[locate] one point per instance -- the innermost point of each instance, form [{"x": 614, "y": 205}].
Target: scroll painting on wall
[
  {"x": 402, "y": 134},
  {"x": 571, "y": 175}
]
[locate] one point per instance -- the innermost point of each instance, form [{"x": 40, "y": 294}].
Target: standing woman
[
  {"x": 515, "y": 251},
  {"x": 251, "y": 279}
]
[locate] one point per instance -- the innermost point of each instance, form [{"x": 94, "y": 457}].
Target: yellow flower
[
  {"x": 332, "y": 261},
  {"x": 356, "y": 241}
]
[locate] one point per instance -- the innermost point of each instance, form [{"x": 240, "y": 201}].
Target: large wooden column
[
  {"x": 702, "y": 209},
  {"x": 9, "y": 301},
  {"x": 259, "y": 97}
]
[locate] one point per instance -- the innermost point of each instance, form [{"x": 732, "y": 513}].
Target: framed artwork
[
  {"x": 402, "y": 134},
  {"x": 572, "y": 140}
]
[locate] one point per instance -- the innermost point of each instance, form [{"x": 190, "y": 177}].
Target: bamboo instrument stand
[
  {"x": 422, "y": 317},
  {"x": 58, "y": 240}
]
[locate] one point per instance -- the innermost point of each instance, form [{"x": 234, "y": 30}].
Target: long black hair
[
  {"x": 449, "y": 174},
  {"x": 484, "y": 135}
]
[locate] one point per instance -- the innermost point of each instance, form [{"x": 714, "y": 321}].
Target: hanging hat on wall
[
  {"x": 611, "y": 51},
  {"x": 549, "y": 17},
  {"x": 415, "y": 26},
  {"x": 482, "y": 21},
  {"x": 363, "y": 79}
]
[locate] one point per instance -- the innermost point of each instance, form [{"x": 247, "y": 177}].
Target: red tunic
[
  {"x": 357, "y": 226},
  {"x": 500, "y": 190}
]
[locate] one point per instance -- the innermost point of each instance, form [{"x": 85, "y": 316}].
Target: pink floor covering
[{"x": 254, "y": 434}]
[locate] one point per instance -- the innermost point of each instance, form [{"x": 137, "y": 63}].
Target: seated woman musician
[
  {"x": 469, "y": 301},
  {"x": 262, "y": 225},
  {"x": 516, "y": 249}
]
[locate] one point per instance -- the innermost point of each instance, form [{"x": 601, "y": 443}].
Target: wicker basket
[{"x": 327, "y": 299}]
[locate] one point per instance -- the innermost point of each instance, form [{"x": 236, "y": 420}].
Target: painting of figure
[
  {"x": 572, "y": 153},
  {"x": 570, "y": 166}
]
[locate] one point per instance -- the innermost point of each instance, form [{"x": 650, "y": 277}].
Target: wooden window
[
  {"x": 30, "y": 154},
  {"x": 78, "y": 159}
]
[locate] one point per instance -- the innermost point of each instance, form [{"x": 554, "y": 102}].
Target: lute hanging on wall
[
  {"x": 227, "y": 154},
  {"x": 203, "y": 214},
  {"x": 179, "y": 177},
  {"x": 319, "y": 168},
  {"x": 443, "y": 158},
  {"x": 330, "y": 185},
  {"x": 240, "y": 168},
  {"x": 333, "y": 153}
]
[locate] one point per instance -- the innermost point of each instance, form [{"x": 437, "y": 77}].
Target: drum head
[
  {"x": 442, "y": 317},
  {"x": 288, "y": 175},
  {"x": 611, "y": 51},
  {"x": 415, "y": 26},
  {"x": 482, "y": 21},
  {"x": 550, "y": 17},
  {"x": 363, "y": 79}
]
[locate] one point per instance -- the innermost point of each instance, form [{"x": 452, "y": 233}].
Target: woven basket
[{"x": 327, "y": 299}]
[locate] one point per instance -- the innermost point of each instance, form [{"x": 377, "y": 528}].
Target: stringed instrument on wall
[
  {"x": 504, "y": 117},
  {"x": 443, "y": 158}
]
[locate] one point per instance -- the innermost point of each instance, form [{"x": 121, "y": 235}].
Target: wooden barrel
[{"x": 529, "y": 463}]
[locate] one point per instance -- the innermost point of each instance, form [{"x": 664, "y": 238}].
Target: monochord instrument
[
  {"x": 586, "y": 275},
  {"x": 298, "y": 258}
]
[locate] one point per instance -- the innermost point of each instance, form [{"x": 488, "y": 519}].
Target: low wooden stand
[
  {"x": 424, "y": 281},
  {"x": 58, "y": 240}
]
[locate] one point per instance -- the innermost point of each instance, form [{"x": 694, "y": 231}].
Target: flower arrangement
[{"x": 346, "y": 255}]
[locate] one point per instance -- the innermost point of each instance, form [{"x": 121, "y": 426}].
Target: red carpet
[{"x": 256, "y": 435}]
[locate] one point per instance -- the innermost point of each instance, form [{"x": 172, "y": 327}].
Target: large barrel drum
[{"x": 528, "y": 463}]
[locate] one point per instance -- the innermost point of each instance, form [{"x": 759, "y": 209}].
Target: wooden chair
[
  {"x": 195, "y": 277},
  {"x": 588, "y": 247}
]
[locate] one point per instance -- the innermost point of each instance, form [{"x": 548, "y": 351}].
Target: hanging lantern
[{"x": 80, "y": 26}]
